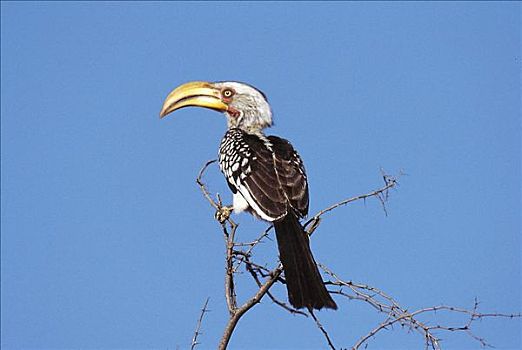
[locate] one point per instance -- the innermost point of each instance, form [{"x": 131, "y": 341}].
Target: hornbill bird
[{"x": 266, "y": 176}]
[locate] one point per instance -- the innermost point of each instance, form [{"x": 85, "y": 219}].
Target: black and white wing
[{"x": 266, "y": 171}]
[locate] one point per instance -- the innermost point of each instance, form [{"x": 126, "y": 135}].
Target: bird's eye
[{"x": 227, "y": 93}]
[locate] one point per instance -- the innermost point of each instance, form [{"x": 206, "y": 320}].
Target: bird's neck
[
  {"x": 254, "y": 130},
  {"x": 249, "y": 121}
]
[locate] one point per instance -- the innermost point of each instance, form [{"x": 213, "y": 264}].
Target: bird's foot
[{"x": 223, "y": 213}]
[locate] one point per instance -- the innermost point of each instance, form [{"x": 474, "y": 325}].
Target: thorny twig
[
  {"x": 199, "y": 181},
  {"x": 321, "y": 328},
  {"x": 256, "y": 270},
  {"x": 381, "y": 194},
  {"x": 238, "y": 253},
  {"x": 197, "y": 332},
  {"x": 251, "y": 245},
  {"x": 397, "y": 314}
]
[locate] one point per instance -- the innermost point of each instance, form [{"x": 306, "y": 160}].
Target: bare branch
[
  {"x": 232, "y": 322},
  {"x": 321, "y": 328},
  {"x": 253, "y": 269},
  {"x": 252, "y": 245},
  {"x": 397, "y": 314},
  {"x": 235, "y": 312},
  {"x": 238, "y": 254},
  {"x": 381, "y": 194},
  {"x": 229, "y": 240},
  {"x": 202, "y": 186},
  {"x": 229, "y": 277},
  {"x": 197, "y": 332}
]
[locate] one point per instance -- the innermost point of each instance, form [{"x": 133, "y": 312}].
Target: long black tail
[{"x": 303, "y": 281}]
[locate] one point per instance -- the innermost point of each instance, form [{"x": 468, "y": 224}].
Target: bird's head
[{"x": 244, "y": 106}]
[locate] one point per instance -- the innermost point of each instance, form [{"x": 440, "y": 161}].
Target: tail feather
[{"x": 303, "y": 281}]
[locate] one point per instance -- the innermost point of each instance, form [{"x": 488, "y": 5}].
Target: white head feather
[{"x": 254, "y": 112}]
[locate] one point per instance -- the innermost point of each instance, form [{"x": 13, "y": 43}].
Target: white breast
[{"x": 239, "y": 203}]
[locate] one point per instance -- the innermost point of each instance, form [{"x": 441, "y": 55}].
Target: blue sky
[{"x": 106, "y": 240}]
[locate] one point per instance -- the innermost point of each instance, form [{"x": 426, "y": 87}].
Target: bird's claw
[{"x": 223, "y": 213}]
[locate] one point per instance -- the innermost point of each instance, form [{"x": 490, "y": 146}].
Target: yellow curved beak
[{"x": 196, "y": 93}]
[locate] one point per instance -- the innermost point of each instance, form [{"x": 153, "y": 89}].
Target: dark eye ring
[{"x": 227, "y": 93}]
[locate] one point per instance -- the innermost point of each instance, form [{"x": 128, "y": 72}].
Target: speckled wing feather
[
  {"x": 266, "y": 171},
  {"x": 291, "y": 174}
]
